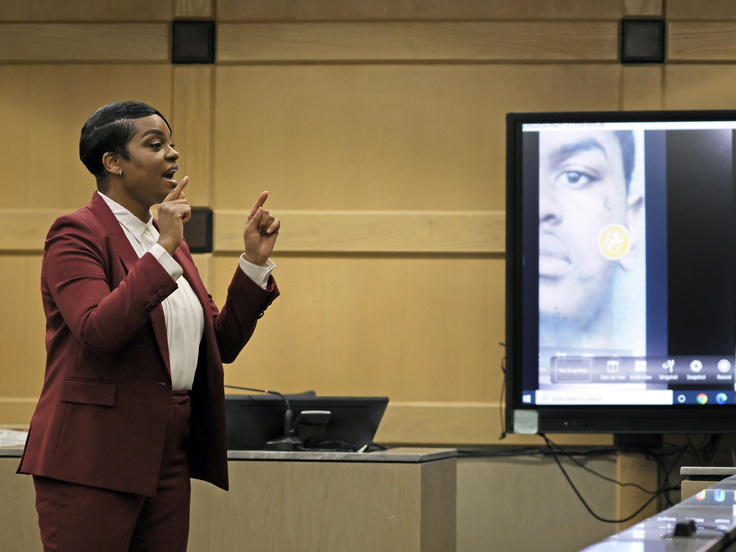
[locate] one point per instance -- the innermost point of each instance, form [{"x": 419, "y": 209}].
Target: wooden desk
[{"x": 402, "y": 499}]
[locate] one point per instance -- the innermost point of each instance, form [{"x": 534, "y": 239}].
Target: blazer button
[{"x": 161, "y": 383}]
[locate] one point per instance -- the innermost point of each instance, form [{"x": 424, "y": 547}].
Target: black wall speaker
[
  {"x": 642, "y": 41},
  {"x": 193, "y": 42},
  {"x": 198, "y": 230}
]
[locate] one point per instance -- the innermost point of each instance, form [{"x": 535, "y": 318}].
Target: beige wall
[{"x": 377, "y": 126}]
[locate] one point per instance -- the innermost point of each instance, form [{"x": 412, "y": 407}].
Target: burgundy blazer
[{"x": 102, "y": 414}]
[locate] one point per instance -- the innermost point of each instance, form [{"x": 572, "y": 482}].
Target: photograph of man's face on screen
[{"x": 591, "y": 223}]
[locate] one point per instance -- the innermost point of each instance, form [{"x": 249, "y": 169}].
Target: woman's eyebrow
[{"x": 153, "y": 131}]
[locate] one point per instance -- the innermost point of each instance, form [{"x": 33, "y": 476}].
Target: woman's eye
[
  {"x": 156, "y": 145},
  {"x": 574, "y": 179}
]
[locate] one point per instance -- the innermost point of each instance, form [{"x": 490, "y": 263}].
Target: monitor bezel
[{"x": 520, "y": 417}]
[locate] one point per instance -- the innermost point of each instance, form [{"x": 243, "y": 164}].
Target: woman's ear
[{"x": 111, "y": 163}]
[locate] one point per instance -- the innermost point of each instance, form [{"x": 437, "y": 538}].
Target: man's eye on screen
[{"x": 574, "y": 179}]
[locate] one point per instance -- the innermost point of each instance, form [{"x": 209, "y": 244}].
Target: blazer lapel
[
  {"x": 121, "y": 247},
  {"x": 118, "y": 241}
]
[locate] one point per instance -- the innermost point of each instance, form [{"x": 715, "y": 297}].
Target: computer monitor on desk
[{"x": 253, "y": 420}]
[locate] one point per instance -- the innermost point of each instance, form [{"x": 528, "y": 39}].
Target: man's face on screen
[{"x": 582, "y": 191}]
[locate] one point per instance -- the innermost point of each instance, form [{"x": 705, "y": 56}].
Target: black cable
[
  {"x": 506, "y": 452},
  {"x": 668, "y": 472},
  {"x": 664, "y": 453},
  {"x": 582, "y": 500},
  {"x": 709, "y": 447},
  {"x": 695, "y": 451},
  {"x": 662, "y": 468},
  {"x": 703, "y": 453},
  {"x": 665, "y": 480},
  {"x": 604, "y": 477}
]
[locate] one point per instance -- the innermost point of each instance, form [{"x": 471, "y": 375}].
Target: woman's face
[{"x": 148, "y": 173}]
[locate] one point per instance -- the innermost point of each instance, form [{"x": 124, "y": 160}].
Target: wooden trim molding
[
  {"x": 460, "y": 423},
  {"x": 89, "y": 10},
  {"x": 194, "y": 8},
  {"x": 391, "y": 10},
  {"x": 434, "y": 232},
  {"x": 88, "y": 42},
  {"x": 15, "y": 412},
  {"x": 418, "y": 41},
  {"x": 468, "y": 232}
]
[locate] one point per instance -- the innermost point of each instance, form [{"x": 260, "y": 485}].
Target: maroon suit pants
[{"x": 77, "y": 518}]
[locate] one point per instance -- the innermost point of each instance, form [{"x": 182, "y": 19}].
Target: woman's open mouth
[{"x": 169, "y": 175}]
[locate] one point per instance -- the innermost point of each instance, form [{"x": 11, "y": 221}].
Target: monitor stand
[{"x": 637, "y": 441}]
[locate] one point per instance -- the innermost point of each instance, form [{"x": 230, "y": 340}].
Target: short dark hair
[
  {"x": 628, "y": 153},
  {"x": 110, "y": 128}
]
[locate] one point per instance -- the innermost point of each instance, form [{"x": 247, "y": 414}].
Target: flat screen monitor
[
  {"x": 620, "y": 281},
  {"x": 253, "y": 420}
]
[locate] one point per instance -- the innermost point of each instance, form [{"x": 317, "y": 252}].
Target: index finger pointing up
[
  {"x": 174, "y": 194},
  {"x": 259, "y": 203}
]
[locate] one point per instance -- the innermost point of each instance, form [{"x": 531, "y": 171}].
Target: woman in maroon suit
[{"x": 132, "y": 404}]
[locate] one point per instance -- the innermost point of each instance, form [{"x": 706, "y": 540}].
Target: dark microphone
[{"x": 289, "y": 440}]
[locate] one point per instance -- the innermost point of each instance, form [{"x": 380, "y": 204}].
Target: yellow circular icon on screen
[{"x": 614, "y": 241}]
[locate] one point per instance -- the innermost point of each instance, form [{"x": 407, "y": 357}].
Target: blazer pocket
[{"x": 81, "y": 391}]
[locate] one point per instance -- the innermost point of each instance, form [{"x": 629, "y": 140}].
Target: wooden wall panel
[
  {"x": 690, "y": 41},
  {"x": 194, "y": 8},
  {"x": 405, "y": 327},
  {"x": 24, "y": 230},
  {"x": 21, "y": 327},
  {"x": 43, "y": 108},
  {"x": 643, "y": 7},
  {"x": 64, "y": 42},
  {"x": 368, "y": 137},
  {"x": 87, "y": 10},
  {"x": 417, "y": 41},
  {"x": 345, "y": 10},
  {"x": 700, "y": 86},
  {"x": 641, "y": 87},
  {"x": 191, "y": 120},
  {"x": 203, "y": 262},
  {"x": 710, "y": 9}
]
